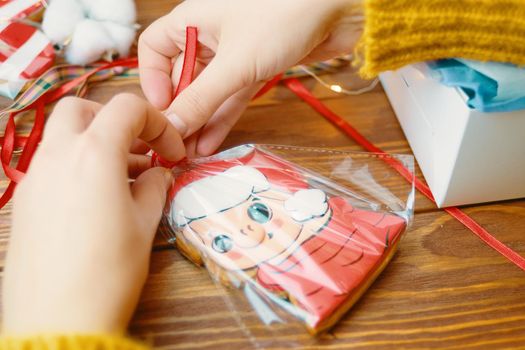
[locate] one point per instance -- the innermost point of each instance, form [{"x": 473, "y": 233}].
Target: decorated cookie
[{"x": 257, "y": 216}]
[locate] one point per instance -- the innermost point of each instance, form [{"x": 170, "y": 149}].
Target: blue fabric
[{"x": 490, "y": 86}]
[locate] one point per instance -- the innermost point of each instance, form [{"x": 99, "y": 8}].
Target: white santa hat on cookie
[{"x": 218, "y": 186}]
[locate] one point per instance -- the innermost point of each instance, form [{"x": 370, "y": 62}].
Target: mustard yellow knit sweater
[
  {"x": 71, "y": 342},
  {"x": 396, "y": 33},
  {"x": 399, "y": 32}
]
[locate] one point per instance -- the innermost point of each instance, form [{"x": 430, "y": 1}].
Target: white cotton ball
[
  {"x": 90, "y": 41},
  {"x": 117, "y": 11},
  {"x": 60, "y": 19},
  {"x": 306, "y": 204},
  {"x": 94, "y": 27},
  {"x": 122, "y": 37}
]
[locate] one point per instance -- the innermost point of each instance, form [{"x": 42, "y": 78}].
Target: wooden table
[{"x": 444, "y": 288}]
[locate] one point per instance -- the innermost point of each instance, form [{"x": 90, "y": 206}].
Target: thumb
[
  {"x": 198, "y": 102},
  {"x": 149, "y": 192}
]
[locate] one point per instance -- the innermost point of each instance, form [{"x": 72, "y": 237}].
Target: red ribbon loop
[{"x": 186, "y": 77}]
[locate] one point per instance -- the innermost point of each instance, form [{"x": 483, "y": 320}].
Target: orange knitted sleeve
[
  {"x": 399, "y": 32},
  {"x": 70, "y": 342}
]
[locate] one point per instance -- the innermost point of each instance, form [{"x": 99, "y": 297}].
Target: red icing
[{"x": 322, "y": 273}]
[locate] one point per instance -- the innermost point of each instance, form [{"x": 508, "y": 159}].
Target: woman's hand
[
  {"x": 82, "y": 234},
  {"x": 242, "y": 43}
]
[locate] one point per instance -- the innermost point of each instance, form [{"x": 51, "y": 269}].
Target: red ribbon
[
  {"x": 29, "y": 144},
  {"x": 299, "y": 89},
  {"x": 186, "y": 77},
  {"x": 268, "y": 86},
  {"x": 190, "y": 57}
]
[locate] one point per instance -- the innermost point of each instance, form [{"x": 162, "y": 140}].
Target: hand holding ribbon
[
  {"x": 97, "y": 230},
  {"x": 241, "y": 45}
]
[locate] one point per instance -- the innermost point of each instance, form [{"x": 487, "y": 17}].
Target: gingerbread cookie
[{"x": 257, "y": 217}]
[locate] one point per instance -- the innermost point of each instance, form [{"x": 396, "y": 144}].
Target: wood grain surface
[{"x": 444, "y": 288}]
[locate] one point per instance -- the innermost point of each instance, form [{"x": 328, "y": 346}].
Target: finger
[
  {"x": 176, "y": 73},
  {"x": 139, "y": 147},
  {"x": 71, "y": 115},
  {"x": 128, "y": 117},
  {"x": 191, "y": 144},
  {"x": 224, "y": 119},
  {"x": 149, "y": 192},
  {"x": 156, "y": 48},
  {"x": 137, "y": 164},
  {"x": 197, "y": 103}
]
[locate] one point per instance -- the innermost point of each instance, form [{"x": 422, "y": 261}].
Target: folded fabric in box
[
  {"x": 25, "y": 53},
  {"x": 489, "y": 86}
]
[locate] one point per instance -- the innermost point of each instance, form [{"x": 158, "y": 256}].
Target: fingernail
[{"x": 178, "y": 123}]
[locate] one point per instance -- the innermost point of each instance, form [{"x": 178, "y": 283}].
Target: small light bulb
[{"x": 336, "y": 88}]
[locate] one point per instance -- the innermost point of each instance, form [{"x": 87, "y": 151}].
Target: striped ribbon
[
  {"x": 62, "y": 73},
  {"x": 329, "y": 66},
  {"x": 59, "y": 75}
]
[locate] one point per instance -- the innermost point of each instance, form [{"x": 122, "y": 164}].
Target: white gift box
[{"x": 466, "y": 156}]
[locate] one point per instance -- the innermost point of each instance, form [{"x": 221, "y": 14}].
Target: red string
[
  {"x": 34, "y": 137},
  {"x": 299, "y": 89},
  {"x": 269, "y": 85},
  {"x": 30, "y": 143},
  {"x": 190, "y": 57},
  {"x": 20, "y": 141},
  {"x": 186, "y": 77},
  {"x": 8, "y": 193},
  {"x": 7, "y": 150}
]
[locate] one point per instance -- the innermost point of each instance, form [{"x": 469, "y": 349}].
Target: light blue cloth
[{"x": 490, "y": 86}]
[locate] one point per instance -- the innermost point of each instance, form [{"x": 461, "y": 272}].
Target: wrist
[
  {"x": 347, "y": 24},
  {"x": 354, "y": 11},
  {"x": 350, "y": 8},
  {"x": 347, "y": 13}
]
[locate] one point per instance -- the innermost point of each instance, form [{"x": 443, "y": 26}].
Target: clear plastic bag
[{"x": 296, "y": 234}]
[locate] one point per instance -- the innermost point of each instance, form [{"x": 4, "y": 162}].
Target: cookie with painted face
[{"x": 255, "y": 219}]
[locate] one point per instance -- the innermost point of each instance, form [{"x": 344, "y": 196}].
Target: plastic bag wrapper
[
  {"x": 297, "y": 235},
  {"x": 25, "y": 53}
]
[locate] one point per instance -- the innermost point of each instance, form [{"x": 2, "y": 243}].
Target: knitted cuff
[
  {"x": 400, "y": 32},
  {"x": 70, "y": 342}
]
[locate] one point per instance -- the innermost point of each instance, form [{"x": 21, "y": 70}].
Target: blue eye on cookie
[
  {"x": 222, "y": 244},
  {"x": 259, "y": 212}
]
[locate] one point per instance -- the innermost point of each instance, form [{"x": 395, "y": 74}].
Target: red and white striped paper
[
  {"x": 17, "y": 9},
  {"x": 25, "y": 53}
]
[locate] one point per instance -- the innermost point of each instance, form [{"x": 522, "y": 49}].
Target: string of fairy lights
[{"x": 338, "y": 88}]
